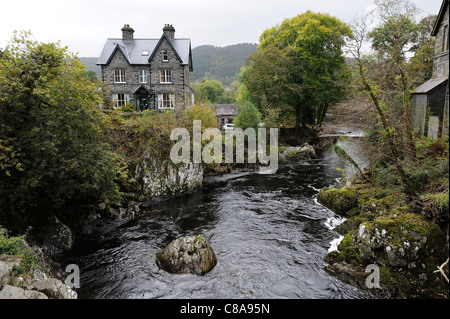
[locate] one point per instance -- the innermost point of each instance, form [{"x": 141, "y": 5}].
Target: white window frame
[
  {"x": 165, "y": 76},
  {"x": 166, "y": 101},
  {"x": 165, "y": 56},
  {"x": 120, "y": 99},
  {"x": 119, "y": 76},
  {"x": 143, "y": 76}
]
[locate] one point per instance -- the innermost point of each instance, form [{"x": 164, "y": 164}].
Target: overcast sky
[{"x": 84, "y": 25}]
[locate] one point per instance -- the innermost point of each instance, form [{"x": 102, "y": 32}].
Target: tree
[
  {"x": 204, "y": 113},
  {"x": 51, "y": 131},
  {"x": 303, "y": 63},
  {"x": 90, "y": 75},
  {"x": 389, "y": 133},
  {"x": 248, "y": 116},
  {"x": 391, "y": 40},
  {"x": 211, "y": 91},
  {"x": 420, "y": 66}
]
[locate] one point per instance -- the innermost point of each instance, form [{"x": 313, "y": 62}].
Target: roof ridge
[{"x": 157, "y": 39}]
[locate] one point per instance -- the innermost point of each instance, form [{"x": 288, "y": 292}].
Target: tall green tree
[
  {"x": 210, "y": 91},
  {"x": 248, "y": 116},
  {"x": 52, "y": 142},
  {"x": 307, "y": 52}
]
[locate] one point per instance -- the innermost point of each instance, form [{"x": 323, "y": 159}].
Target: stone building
[
  {"x": 225, "y": 113},
  {"x": 149, "y": 73},
  {"x": 429, "y": 102}
]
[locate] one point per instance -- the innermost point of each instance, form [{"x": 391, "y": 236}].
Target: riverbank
[
  {"x": 404, "y": 239},
  {"x": 26, "y": 271}
]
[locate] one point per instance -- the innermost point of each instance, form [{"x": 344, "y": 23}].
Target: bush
[{"x": 128, "y": 107}]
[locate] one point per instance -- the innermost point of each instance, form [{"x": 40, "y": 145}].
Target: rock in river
[{"x": 190, "y": 254}]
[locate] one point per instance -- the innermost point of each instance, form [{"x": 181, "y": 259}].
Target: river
[{"x": 268, "y": 232}]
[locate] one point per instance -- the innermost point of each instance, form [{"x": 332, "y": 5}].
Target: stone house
[
  {"x": 429, "y": 102},
  {"x": 225, "y": 113},
  {"x": 151, "y": 74}
]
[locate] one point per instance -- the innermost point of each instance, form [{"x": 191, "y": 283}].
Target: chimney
[
  {"x": 169, "y": 30},
  {"x": 127, "y": 32}
]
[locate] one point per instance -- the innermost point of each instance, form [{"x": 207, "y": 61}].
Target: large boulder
[
  {"x": 191, "y": 254},
  {"x": 398, "y": 240},
  {"x": 11, "y": 292},
  {"x": 52, "y": 288},
  {"x": 7, "y": 263},
  {"x": 342, "y": 201},
  {"x": 58, "y": 236},
  {"x": 303, "y": 152}
]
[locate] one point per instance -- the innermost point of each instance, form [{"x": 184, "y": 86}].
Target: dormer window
[{"x": 165, "y": 56}]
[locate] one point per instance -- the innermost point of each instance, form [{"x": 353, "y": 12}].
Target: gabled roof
[
  {"x": 430, "y": 86},
  {"x": 226, "y": 109},
  {"x": 124, "y": 52},
  {"x": 164, "y": 36},
  {"x": 143, "y": 88},
  {"x": 440, "y": 16},
  {"x": 133, "y": 49}
]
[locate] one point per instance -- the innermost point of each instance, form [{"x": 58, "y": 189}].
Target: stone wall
[
  {"x": 180, "y": 74},
  {"x": 118, "y": 62},
  {"x": 441, "y": 54}
]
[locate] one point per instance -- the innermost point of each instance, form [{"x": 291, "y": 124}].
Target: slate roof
[
  {"x": 429, "y": 86},
  {"x": 226, "y": 110},
  {"x": 132, "y": 50}
]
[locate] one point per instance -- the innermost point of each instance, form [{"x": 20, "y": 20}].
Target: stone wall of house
[
  {"x": 418, "y": 112},
  {"x": 441, "y": 66},
  {"x": 436, "y": 123},
  {"x": 179, "y": 78},
  {"x": 441, "y": 54},
  {"x": 118, "y": 62}
]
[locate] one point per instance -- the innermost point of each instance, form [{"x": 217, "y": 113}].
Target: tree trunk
[
  {"x": 410, "y": 148},
  {"x": 407, "y": 184}
]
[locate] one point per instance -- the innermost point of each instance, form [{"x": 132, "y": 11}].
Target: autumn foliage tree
[
  {"x": 299, "y": 67},
  {"x": 52, "y": 146}
]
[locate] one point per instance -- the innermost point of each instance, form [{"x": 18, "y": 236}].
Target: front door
[{"x": 143, "y": 102}]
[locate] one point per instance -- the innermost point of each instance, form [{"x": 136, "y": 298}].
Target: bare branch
[{"x": 441, "y": 270}]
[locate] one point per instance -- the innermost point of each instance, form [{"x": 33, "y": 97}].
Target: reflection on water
[{"x": 268, "y": 232}]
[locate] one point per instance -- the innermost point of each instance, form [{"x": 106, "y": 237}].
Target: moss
[
  {"x": 339, "y": 200},
  {"x": 348, "y": 249},
  {"x": 334, "y": 257}
]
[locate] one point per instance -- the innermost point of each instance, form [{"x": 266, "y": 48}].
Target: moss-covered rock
[
  {"x": 399, "y": 239},
  {"x": 190, "y": 254},
  {"x": 341, "y": 201},
  {"x": 407, "y": 248}
]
